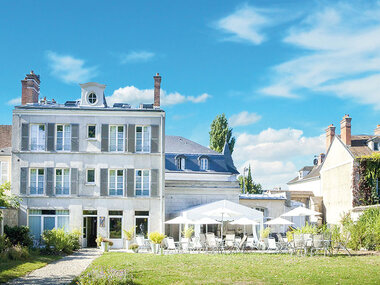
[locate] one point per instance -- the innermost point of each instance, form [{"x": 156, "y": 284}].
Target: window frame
[
  {"x": 88, "y": 98},
  {"x": 43, "y": 180},
  {"x": 143, "y": 217},
  {"x": 142, "y": 182},
  {"x": 109, "y": 138},
  {"x": 96, "y": 131},
  {"x": 109, "y": 181},
  {"x": 206, "y": 164},
  {"x": 181, "y": 163},
  {"x": 55, "y": 181},
  {"x": 63, "y": 137},
  {"x": 42, "y": 217},
  {"x": 90, "y": 183},
  {"x": 4, "y": 165},
  {"x": 142, "y": 138},
  {"x": 38, "y": 142}
]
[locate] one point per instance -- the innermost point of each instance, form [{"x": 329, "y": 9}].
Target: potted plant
[
  {"x": 264, "y": 234},
  {"x": 156, "y": 239},
  {"x": 188, "y": 233},
  {"x": 104, "y": 243},
  {"x": 134, "y": 247},
  {"x": 129, "y": 235}
]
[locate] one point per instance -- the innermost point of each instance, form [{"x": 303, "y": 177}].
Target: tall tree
[
  {"x": 219, "y": 133},
  {"x": 250, "y": 186}
]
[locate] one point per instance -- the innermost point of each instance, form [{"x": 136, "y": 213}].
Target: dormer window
[
  {"x": 92, "y": 99},
  {"x": 181, "y": 163},
  {"x": 204, "y": 163},
  {"x": 376, "y": 146}
]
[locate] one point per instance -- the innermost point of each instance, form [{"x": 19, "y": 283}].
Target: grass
[
  {"x": 10, "y": 269},
  {"x": 243, "y": 268}
]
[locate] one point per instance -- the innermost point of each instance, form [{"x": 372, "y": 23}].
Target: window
[
  {"x": 376, "y": 146},
  {"x": 62, "y": 181},
  {"x": 41, "y": 220},
  {"x": 181, "y": 163},
  {"x": 4, "y": 172},
  {"x": 116, "y": 182},
  {"x": 36, "y": 181},
  {"x": 141, "y": 222},
  {"x": 90, "y": 176},
  {"x": 142, "y": 182},
  {"x": 63, "y": 137},
  {"x": 115, "y": 224},
  {"x": 92, "y": 98},
  {"x": 37, "y": 137},
  {"x": 204, "y": 164},
  {"x": 116, "y": 138},
  {"x": 142, "y": 138},
  {"x": 91, "y": 131}
]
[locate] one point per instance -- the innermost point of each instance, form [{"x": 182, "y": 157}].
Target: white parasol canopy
[
  {"x": 179, "y": 220},
  {"x": 220, "y": 213},
  {"x": 206, "y": 221},
  {"x": 279, "y": 221},
  {"x": 244, "y": 221},
  {"x": 301, "y": 212}
]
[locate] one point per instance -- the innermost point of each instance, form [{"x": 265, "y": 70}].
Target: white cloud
[
  {"x": 136, "y": 56},
  {"x": 14, "y": 101},
  {"x": 245, "y": 24},
  {"x": 343, "y": 58},
  {"x": 70, "y": 69},
  {"x": 274, "y": 154},
  {"x": 243, "y": 119},
  {"x": 135, "y": 96}
]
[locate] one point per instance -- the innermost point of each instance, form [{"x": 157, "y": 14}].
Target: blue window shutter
[
  {"x": 74, "y": 137},
  {"x": 103, "y": 182},
  {"x": 130, "y": 182},
  {"x": 154, "y": 139},
  {"x": 131, "y": 138},
  {"x": 24, "y": 171},
  {"x": 74, "y": 181},
  {"x": 49, "y": 181},
  {"x": 154, "y": 186},
  {"x": 25, "y": 137},
  {"x": 104, "y": 138}
]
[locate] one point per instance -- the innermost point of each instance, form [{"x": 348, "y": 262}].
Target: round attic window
[{"x": 92, "y": 98}]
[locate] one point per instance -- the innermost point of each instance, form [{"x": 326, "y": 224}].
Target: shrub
[
  {"x": 156, "y": 237},
  {"x": 58, "y": 241},
  {"x": 188, "y": 232},
  {"x": 133, "y": 246},
  {"x": 130, "y": 233},
  {"x": 100, "y": 239},
  {"x": 17, "y": 252},
  {"x": 264, "y": 233},
  {"x": 4, "y": 243},
  {"x": 105, "y": 276},
  {"x": 19, "y": 235}
]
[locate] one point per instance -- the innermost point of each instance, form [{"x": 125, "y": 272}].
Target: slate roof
[
  {"x": 359, "y": 145},
  {"x": 314, "y": 173},
  {"x": 179, "y": 146}
]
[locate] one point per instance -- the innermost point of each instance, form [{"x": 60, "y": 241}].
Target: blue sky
[{"x": 281, "y": 71}]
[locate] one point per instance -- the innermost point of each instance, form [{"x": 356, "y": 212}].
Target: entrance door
[{"x": 91, "y": 224}]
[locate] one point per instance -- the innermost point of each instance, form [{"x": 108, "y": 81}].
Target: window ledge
[
  {"x": 91, "y": 139},
  {"x": 90, "y": 184}
]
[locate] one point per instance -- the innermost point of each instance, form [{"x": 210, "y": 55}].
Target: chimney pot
[
  {"x": 377, "y": 130},
  {"x": 30, "y": 88},
  {"x": 345, "y": 129},
  {"x": 157, "y": 89}
]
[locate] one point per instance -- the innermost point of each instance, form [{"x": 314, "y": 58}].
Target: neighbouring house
[
  {"x": 196, "y": 175},
  {"x": 342, "y": 189},
  {"x": 86, "y": 165},
  {"x": 306, "y": 186}
]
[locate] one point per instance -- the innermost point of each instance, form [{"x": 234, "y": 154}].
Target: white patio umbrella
[
  {"x": 179, "y": 221},
  {"x": 301, "y": 212},
  {"x": 244, "y": 221},
  {"x": 220, "y": 213},
  {"x": 207, "y": 221},
  {"x": 279, "y": 221}
]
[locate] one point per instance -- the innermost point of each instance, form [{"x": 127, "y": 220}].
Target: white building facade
[{"x": 87, "y": 166}]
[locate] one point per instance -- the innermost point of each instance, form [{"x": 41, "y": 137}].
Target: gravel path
[{"x": 62, "y": 271}]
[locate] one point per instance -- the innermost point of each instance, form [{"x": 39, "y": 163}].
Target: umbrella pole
[
  {"x": 206, "y": 229},
  {"x": 221, "y": 230}
]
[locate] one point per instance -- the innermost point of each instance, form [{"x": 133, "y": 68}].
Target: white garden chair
[{"x": 171, "y": 245}]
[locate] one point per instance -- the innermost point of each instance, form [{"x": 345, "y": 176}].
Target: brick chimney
[
  {"x": 345, "y": 129},
  {"x": 330, "y": 133},
  {"x": 30, "y": 88},
  {"x": 157, "y": 88},
  {"x": 377, "y": 130}
]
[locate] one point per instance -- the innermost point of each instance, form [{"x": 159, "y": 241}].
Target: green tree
[
  {"x": 6, "y": 198},
  {"x": 250, "y": 186},
  {"x": 219, "y": 133}
]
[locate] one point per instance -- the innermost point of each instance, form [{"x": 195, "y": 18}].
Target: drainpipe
[{"x": 163, "y": 177}]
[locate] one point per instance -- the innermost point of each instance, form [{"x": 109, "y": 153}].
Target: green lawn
[
  {"x": 243, "y": 268},
  {"x": 10, "y": 269}
]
